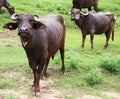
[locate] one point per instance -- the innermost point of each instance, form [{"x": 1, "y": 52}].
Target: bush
[
  {"x": 73, "y": 64},
  {"x": 112, "y": 65},
  {"x": 94, "y": 77}
]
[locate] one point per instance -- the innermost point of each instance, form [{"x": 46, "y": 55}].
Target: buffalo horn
[
  {"x": 37, "y": 17},
  {"x": 14, "y": 16},
  {"x": 83, "y": 13}
]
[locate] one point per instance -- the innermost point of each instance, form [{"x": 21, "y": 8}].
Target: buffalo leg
[
  {"x": 107, "y": 34},
  {"x": 44, "y": 74},
  {"x": 0, "y": 10},
  {"x": 38, "y": 73},
  {"x": 34, "y": 73},
  {"x": 92, "y": 41},
  {"x": 83, "y": 40},
  {"x": 89, "y": 8},
  {"x": 96, "y": 7},
  {"x": 63, "y": 69}
]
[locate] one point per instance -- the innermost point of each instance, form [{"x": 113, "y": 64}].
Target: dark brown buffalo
[
  {"x": 94, "y": 23},
  {"x": 79, "y": 4},
  {"x": 41, "y": 38},
  {"x": 5, "y": 3}
]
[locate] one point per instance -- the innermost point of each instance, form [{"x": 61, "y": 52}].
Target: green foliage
[
  {"x": 5, "y": 84},
  {"x": 94, "y": 77},
  {"x": 10, "y": 96},
  {"x": 73, "y": 63},
  {"x": 112, "y": 65}
]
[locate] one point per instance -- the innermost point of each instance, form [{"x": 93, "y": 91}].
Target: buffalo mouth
[{"x": 24, "y": 36}]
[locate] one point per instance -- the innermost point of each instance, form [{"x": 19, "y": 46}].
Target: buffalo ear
[
  {"x": 10, "y": 26},
  {"x": 40, "y": 25}
]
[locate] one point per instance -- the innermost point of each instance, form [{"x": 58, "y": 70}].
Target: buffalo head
[
  {"x": 25, "y": 23},
  {"x": 76, "y": 14}
]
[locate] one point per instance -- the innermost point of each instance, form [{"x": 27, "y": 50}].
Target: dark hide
[
  {"x": 41, "y": 40},
  {"x": 79, "y": 4},
  {"x": 94, "y": 23}
]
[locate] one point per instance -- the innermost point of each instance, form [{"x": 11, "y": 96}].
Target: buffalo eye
[{"x": 31, "y": 21}]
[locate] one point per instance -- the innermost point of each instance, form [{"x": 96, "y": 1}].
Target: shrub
[
  {"x": 93, "y": 77},
  {"x": 73, "y": 64},
  {"x": 112, "y": 65}
]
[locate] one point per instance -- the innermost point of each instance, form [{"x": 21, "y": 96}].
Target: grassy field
[{"x": 83, "y": 65}]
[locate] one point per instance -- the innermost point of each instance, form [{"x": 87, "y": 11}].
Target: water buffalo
[
  {"x": 5, "y": 3},
  {"x": 41, "y": 38},
  {"x": 79, "y": 4},
  {"x": 94, "y": 23}
]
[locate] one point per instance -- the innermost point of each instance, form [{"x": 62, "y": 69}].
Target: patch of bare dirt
[
  {"x": 112, "y": 94},
  {"x": 47, "y": 91},
  {"x": 7, "y": 34},
  {"x": 23, "y": 91},
  {"x": 10, "y": 36}
]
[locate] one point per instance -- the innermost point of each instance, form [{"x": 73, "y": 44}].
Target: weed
[
  {"x": 5, "y": 84},
  {"x": 10, "y": 96},
  {"x": 94, "y": 77},
  {"x": 73, "y": 64},
  {"x": 112, "y": 65}
]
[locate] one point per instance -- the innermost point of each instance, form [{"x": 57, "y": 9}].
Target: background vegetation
[{"x": 88, "y": 72}]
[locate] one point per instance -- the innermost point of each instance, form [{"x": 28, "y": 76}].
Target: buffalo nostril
[
  {"x": 23, "y": 29},
  {"x": 26, "y": 30}
]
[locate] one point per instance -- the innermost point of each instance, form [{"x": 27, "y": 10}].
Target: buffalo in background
[
  {"x": 79, "y": 4},
  {"x": 94, "y": 23},
  {"x": 41, "y": 39},
  {"x": 5, "y": 3}
]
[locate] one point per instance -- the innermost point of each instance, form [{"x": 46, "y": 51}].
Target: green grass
[
  {"x": 5, "y": 84},
  {"x": 79, "y": 62}
]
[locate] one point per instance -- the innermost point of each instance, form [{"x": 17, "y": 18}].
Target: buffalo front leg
[
  {"x": 89, "y": 8},
  {"x": 34, "y": 74},
  {"x": 37, "y": 76},
  {"x": 92, "y": 41},
  {"x": 83, "y": 40},
  {"x": 36, "y": 85}
]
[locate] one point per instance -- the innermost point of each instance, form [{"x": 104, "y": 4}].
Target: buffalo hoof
[
  {"x": 36, "y": 94},
  {"x": 82, "y": 46}
]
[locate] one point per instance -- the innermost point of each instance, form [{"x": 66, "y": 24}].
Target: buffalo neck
[{"x": 81, "y": 22}]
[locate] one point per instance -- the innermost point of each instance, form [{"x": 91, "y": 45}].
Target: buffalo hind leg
[
  {"x": 63, "y": 69},
  {"x": 107, "y": 34},
  {"x": 44, "y": 74}
]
